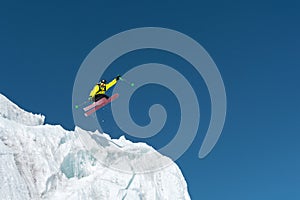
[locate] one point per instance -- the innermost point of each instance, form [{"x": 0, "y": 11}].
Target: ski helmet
[{"x": 103, "y": 81}]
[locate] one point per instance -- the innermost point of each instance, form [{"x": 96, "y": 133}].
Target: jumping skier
[{"x": 99, "y": 89}]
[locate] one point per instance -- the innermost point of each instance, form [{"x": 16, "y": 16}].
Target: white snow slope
[{"x": 40, "y": 161}]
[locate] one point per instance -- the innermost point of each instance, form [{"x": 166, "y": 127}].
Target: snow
[
  {"x": 12, "y": 184},
  {"x": 40, "y": 161},
  {"x": 11, "y": 111}
]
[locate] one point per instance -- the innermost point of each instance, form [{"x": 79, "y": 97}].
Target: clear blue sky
[{"x": 255, "y": 45}]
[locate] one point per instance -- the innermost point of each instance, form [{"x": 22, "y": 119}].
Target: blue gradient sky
[{"x": 255, "y": 45}]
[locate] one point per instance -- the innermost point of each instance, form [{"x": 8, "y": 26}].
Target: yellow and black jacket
[{"x": 101, "y": 90}]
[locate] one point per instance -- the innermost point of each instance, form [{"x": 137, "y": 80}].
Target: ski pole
[
  {"x": 126, "y": 81},
  {"x": 82, "y": 104}
]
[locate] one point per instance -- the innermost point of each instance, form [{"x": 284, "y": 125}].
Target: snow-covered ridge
[
  {"x": 11, "y": 111},
  {"x": 48, "y": 162}
]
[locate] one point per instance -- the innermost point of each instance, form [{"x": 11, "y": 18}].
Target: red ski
[
  {"x": 94, "y": 104},
  {"x": 98, "y": 106}
]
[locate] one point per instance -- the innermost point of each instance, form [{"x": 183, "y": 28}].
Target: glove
[{"x": 118, "y": 77}]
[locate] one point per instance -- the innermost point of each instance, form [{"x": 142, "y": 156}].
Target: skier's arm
[
  {"x": 112, "y": 83},
  {"x": 94, "y": 91}
]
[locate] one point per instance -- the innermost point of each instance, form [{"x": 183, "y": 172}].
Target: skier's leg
[
  {"x": 105, "y": 96},
  {"x": 100, "y": 96}
]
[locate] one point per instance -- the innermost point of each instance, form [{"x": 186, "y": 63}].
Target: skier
[{"x": 99, "y": 89}]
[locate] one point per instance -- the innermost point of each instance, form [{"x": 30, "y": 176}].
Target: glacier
[{"x": 43, "y": 161}]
